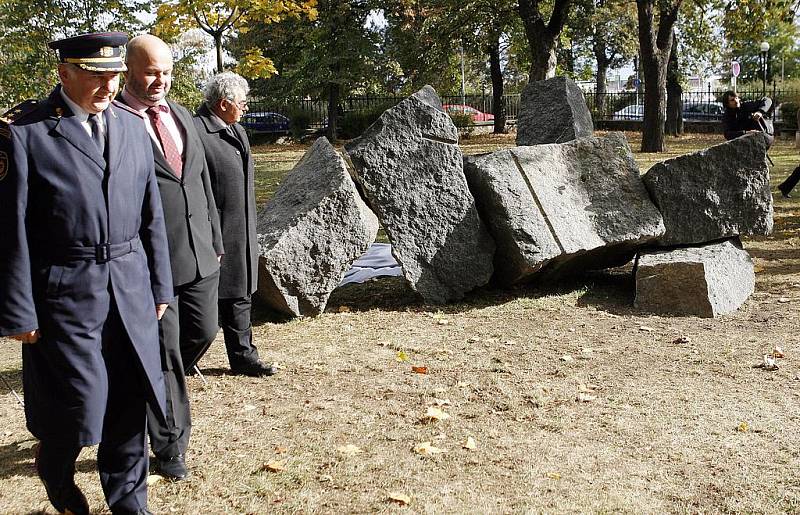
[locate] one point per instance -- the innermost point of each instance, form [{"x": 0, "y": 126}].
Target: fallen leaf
[
  {"x": 153, "y": 479},
  {"x": 275, "y": 466},
  {"x": 566, "y": 357},
  {"x": 27, "y": 444},
  {"x": 553, "y": 475},
  {"x": 402, "y": 356},
  {"x": 469, "y": 444},
  {"x": 743, "y": 427},
  {"x": 420, "y": 370},
  {"x": 767, "y": 364},
  {"x": 435, "y": 414},
  {"x": 585, "y": 397},
  {"x": 349, "y": 450},
  {"x": 441, "y": 402},
  {"x": 325, "y": 478},
  {"x": 646, "y": 329},
  {"x": 681, "y": 340},
  {"x": 426, "y": 449},
  {"x": 344, "y": 309},
  {"x": 443, "y": 321},
  {"x": 399, "y": 498},
  {"x": 280, "y": 449},
  {"x": 777, "y": 352},
  {"x": 784, "y": 300},
  {"x": 249, "y": 407}
]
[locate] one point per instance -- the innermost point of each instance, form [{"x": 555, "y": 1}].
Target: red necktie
[{"x": 167, "y": 142}]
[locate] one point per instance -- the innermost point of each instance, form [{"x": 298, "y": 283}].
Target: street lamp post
[{"x": 764, "y": 55}]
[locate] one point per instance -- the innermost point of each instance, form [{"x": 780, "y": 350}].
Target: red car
[{"x": 477, "y": 116}]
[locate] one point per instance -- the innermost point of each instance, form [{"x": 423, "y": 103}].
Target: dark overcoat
[
  {"x": 193, "y": 230},
  {"x": 59, "y": 204},
  {"x": 232, "y": 179}
]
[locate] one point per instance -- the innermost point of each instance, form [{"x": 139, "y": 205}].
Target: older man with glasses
[{"x": 230, "y": 164}]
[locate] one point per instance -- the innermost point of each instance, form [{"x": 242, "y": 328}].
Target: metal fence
[{"x": 628, "y": 105}]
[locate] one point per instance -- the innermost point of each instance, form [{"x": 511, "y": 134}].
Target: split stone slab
[
  {"x": 563, "y": 207},
  {"x": 705, "y": 281},
  {"x": 552, "y": 111},
  {"x": 410, "y": 169},
  {"x": 310, "y": 233},
  {"x": 716, "y": 193}
]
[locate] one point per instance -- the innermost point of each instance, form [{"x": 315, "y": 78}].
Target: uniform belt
[{"x": 103, "y": 252}]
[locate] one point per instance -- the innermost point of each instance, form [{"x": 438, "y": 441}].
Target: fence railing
[{"x": 627, "y": 105}]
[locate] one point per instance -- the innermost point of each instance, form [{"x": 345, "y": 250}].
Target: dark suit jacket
[
  {"x": 193, "y": 230},
  {"x": 230, "y": 164},
  {"x": 60, "y": 198}
]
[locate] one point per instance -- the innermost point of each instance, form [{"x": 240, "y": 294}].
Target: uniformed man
[
  {"x": 195, "y": 240},
  {"x": 84, "y": 274}
]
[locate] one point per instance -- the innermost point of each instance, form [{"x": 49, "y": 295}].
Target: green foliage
[
  {"x": 299, "y": 122},
  {"x": 789, "y": 113},
  {"x": 354, "y": 123},
  {"x": 464, "y": 123}
]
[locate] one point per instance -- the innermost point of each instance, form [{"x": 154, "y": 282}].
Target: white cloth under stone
[{"x": 377, "y": 261}]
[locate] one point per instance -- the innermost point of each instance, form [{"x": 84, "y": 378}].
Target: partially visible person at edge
[
  {"x": 231, "y": 165},
  {"x": 85, "y": 274},
  {"x": 743, "y": 117},
  {"x": 195, "y": 241},
  {"x": 788, "y": 185}
]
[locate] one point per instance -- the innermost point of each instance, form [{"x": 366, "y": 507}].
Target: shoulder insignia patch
[
  {"x": 20, "y": 111},
  {"x": 125, "y": 107},
  {"x": 3, "y": 165}
]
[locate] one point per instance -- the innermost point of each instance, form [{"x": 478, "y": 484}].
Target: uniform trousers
[
  {"x": 122, "y": 457},
  {"x": 234, "y": 318},
  {"x": 186, "y": 331}
]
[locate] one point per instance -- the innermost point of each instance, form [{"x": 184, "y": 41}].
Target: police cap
[{"x": 96, "y": 52}]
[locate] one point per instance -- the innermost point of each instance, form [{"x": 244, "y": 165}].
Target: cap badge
[{"x": 106, "y": 51}]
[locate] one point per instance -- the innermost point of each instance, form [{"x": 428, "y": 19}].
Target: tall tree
[
  {"x": 542, "y": 35},
  {"x": 227, "y": 18},
  {"x": 27, "y": 65},
  {"x": 655, "y": 45}
]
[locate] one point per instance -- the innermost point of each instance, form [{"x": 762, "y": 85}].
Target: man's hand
[
  {"x": 758, "y": 115},
  {"x": 160, "y": 310},
  {"x": 219, "y": 258},
  {"x": 29, "y": 337}
]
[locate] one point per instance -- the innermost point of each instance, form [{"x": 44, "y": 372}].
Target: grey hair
[{"x": 224, "y": 85}]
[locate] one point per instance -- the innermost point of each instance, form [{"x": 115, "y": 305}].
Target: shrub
[
  {"x": 463, "y": 122},
  {"x": 299, "y": 122},
  {"x": 789, "y": 114},
  {"x": 354, "y": 123}
]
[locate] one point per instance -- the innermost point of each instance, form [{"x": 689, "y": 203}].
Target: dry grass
[{"x": 667, "y": 427}]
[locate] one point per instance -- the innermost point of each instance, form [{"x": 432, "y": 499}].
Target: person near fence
[
  {"x": 85, "y": 274},
  {"x": 195, "y": 240},
  {"x": 230, "y": 163},
  {"x": 788, "y": 185},
  {"x": 743, "y": 117}
]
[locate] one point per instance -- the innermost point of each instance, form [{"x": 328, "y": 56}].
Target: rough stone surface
[
  {"x": 717, "y": 193},
  {"x": 563, "y": 206},
  {"x": 310, "y": 233},
  {"x": 552, "y": 111},
  {"x": 410, "y": 169},
  {"x": 704, "y": 281}
]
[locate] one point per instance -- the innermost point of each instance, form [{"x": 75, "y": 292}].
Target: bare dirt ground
[{"x": 575, "y": 401}]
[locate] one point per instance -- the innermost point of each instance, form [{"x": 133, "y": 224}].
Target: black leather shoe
[
  {"x": 67, "y": 499},
  {"x": 785, "y": 194},
  {"x": 254, "y": 369},
  {"x": 172, "y": 468}
]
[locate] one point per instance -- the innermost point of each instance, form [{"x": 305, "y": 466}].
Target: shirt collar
[
  {"x": 137, "y": 105},
  {"x": 79, "y": 113}
]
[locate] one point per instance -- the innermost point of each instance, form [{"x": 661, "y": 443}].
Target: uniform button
[
  {"x": 190, "y": 215},
  {"x": 237, "y": 152}
]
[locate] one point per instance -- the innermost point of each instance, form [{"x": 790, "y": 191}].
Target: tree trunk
[
  {"x": 674, "y": 125},
  {"x": 498, "y": 100},
  {"x": 542, "y": 38},
  {"x": 218, "y": 45},
  {"x": 599, "y": 49},
  {"x": 655, "y": 47},
  {"x": 334, "y": 90}
]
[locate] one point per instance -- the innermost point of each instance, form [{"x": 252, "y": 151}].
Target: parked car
[
  {"x": 476, "y": 115},
  {"x": 265, "y": 122},
  {"x": 632, "y": 112},
  {"x": 707, "y": 111}
]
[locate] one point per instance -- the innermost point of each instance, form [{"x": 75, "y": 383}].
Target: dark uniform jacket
[
  {"x": 736, "y": 122},
  {"x": 231, "y": 165},
  {"x": 191, "y": 216},
  {"x": 59, "y": 205}
]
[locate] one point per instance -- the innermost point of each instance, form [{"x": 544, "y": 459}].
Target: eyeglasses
[{"x": 241, "y": 103}]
